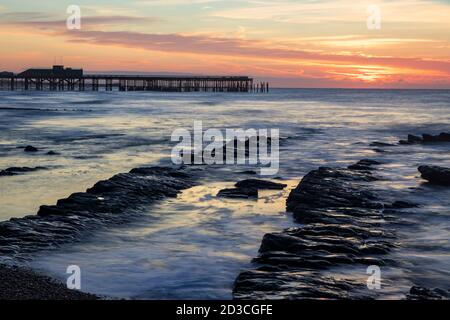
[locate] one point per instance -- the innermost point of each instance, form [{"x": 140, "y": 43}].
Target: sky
[{"x": 290, "y": 43}]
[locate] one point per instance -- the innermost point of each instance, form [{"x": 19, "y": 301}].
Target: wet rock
[
  {"x": 427, "y": 138},
  {"x": 52, "y": 153},
  {"x": 402, "y": 205},
  {"x": 327, "y": 187},
  {"x": 420, "y": 293},
  {"x": 249, "y": 172},
  {"x": 272, "y": 283},
  {"x": 238, "y": 193},
  {"x": 112, "y": 201},
  {"x": 364, "y": 165},
  {"x": 414, "y": 139},
  {"x": 230, "y": 150},
  {"x": 435, "y": 174},
  {"x": 19, "y": 170},
  {"x": 260, "y": 184},
  {"x": 342, "y": 224},
  {"x": 30, "y": 149},
  {"x": 381, "y": 144}
]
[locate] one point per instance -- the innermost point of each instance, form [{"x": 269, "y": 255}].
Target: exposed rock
[
  {"x": 19, "y": 170},
  {"x": 419, "y": 293},
  {"x": 238, "y": 193},
  {"x": 260, "y": 184},
  {"x": 343, "y": 224},
  {"x": 235, "y": 147},
  {"x": 427, "y": 138},
  {"x": 364, "y": 165},
  {"x": 23, "y": 284},
  {"x": 30, "y": 149},
  {"x": 442, "y": 137},
  {"x": 435, "y": 174},
  {"x": 402, "y": 205},
  {"x": 111, "y": 201},
  {"x": 381, "y": 144},
  {"x": 327, "y": 187},
  {"x": 249, "y": 172},
  {"x": 414, "y": 139},
  {"x": 52, "y": 153},
  {"x": 261, "y": 283}
]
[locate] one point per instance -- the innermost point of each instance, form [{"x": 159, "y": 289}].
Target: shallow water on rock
[{"x": 188, "y": 248}]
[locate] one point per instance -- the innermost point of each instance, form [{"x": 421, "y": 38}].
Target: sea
[{"x": 195, "y": 245}]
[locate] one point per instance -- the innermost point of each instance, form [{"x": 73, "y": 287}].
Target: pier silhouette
[{"x": 59, "y": 78}]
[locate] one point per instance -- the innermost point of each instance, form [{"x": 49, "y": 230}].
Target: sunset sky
[{"x": 291, "y": 43}]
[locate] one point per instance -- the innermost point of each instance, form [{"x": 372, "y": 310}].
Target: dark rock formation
[
  {"x": 260, "y": 184},
  {"x": 419, "y": 293},
  {"x": 111, "y": 201},
  {"x": 238, "y": 193},
  {"x": 52, "y": 153},
  {"x": 402, "y": 205},
  {"x": 365, "y": 164},
  {"x": 30, "y": 149},
  {"x": 443, "y": 137},
  {"x": 435, "y": 174},
  {"x": 235, "y": 147},
  {"x": 19, "y": 170},
  {"x": 272, "y": 283},
  {"x": 343, "y": 225},
  {"x": 249, "y": 172},
  {"x": 427, "y": 138},
  {"x": 23, "y": 284},
  {"x": 381, "y": 144}
]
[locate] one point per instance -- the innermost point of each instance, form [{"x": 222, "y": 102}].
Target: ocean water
[{"x": 194, "y": 246}]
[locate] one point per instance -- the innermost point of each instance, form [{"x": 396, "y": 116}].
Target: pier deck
[{"x": 96, "y": 82}]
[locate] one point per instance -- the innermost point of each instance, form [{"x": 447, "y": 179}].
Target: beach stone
[
  {"x": 435, "y": 174},
  {"x": 260, "y": 184},
  {"x": 24, "y": 284}
]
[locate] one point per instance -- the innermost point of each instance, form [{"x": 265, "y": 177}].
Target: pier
[{"x": 66, "y": 79}]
